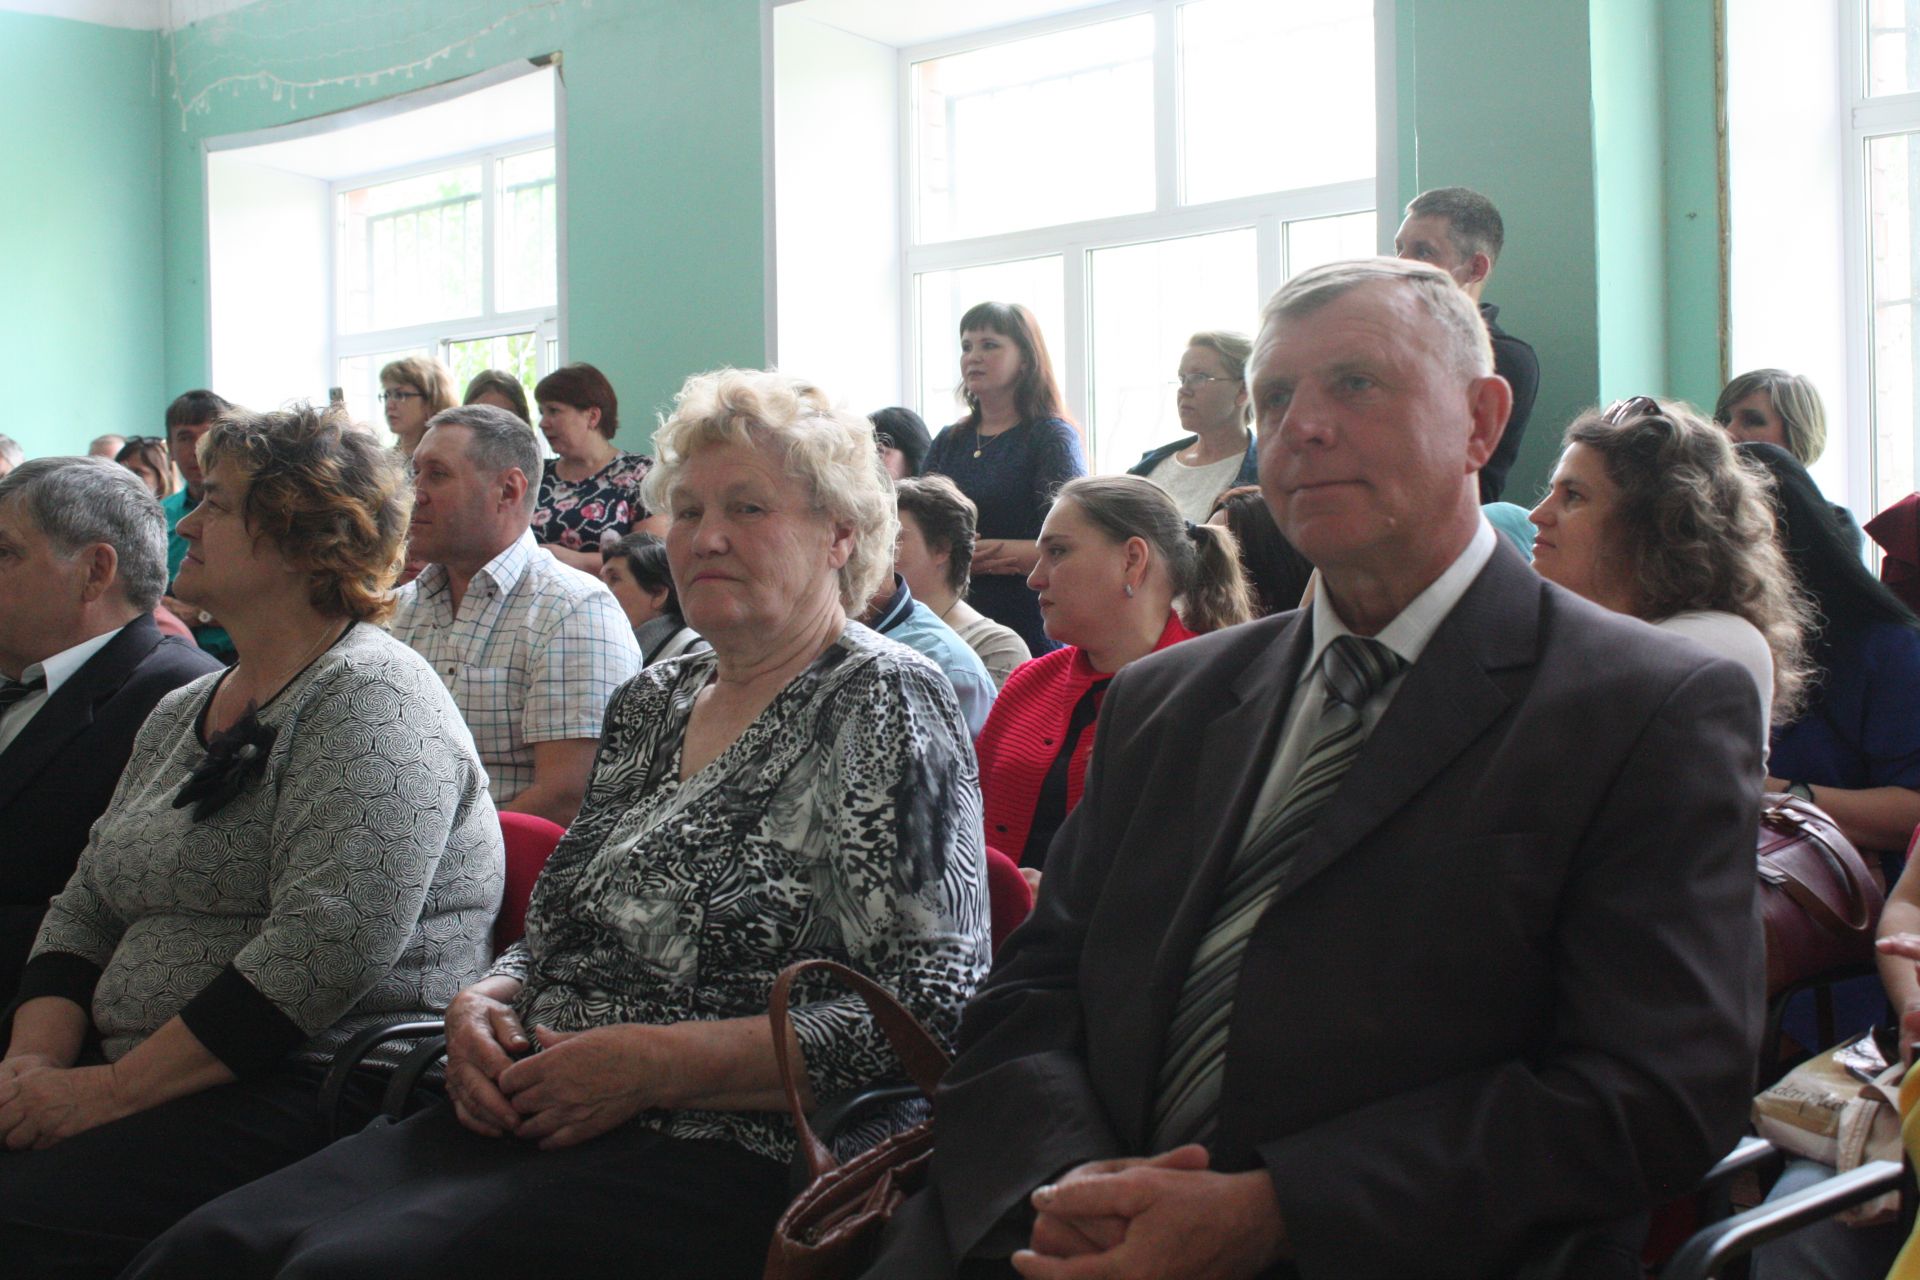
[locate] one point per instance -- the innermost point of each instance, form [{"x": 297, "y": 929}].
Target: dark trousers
[
  {"x": 428, "y": 1198},
  {"x": 85, "y": 1206}
]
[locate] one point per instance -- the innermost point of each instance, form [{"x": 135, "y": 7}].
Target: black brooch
[{"x": 234, "y": 758}]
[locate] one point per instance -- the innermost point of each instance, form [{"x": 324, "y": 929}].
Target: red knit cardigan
[{"x": 1021, "y": 738}]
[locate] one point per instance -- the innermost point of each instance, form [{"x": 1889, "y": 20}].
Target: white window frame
[
  {"x": 1867, "y": 118},
  {"x": 438, "y": 335},
  {"x": 1267, "y": 213}
]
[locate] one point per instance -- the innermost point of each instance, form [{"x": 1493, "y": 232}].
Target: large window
[
  {"x": 458, "y": 261},
  {"x": 1884, "y": 117},
  {"x": 1132, "y": 179}
]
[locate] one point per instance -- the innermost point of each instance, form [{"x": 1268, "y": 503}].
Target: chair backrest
[
  {"x": 530, "y": 840},
  {"x": 1008, "y": 894}
]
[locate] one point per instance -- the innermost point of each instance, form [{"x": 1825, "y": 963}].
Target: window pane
[
  {"x": 1893, "y": 165},
  {"x": 359, "y": 380},
  {"x": 1147, "y": 300},
  {"x": 944, "y": 297},
  {"x": 1313, "y": 241},
  {"x": 410, "y": 250},
  {"x": 1229, "y": 52},
  {"x": 1893, "y": 47},
  {"x": 1057, "y": 128},
  {"x": 513, "y": 353},
  {"x": 529, "y": 219}
]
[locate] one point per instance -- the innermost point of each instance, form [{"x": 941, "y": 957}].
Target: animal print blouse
[{"x": 843, "y": 823}]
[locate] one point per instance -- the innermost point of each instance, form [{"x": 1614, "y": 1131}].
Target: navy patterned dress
[
  {"x": 1013, "y": 483},
  {"x": 843, "y": 823},
  {"x": 575, "y": 513}
]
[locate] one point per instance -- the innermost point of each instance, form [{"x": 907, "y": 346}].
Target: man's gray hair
[
  {"x": 498, "y": 439},
  {"x": 1466, "y": 334},
  {"x": 1473, "y": 224},
  {"x": 77, "y": 502},
  {"x": 10, "y": 451}
]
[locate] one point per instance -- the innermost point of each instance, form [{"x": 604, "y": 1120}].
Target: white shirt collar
[
  {"x": 61, "y": 666},
  {"x": 502, "y": 573},
  {"x": 1413, "y": 626}
]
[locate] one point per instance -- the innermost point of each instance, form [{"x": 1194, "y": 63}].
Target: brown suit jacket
[{"x": 1513, "y": 982}]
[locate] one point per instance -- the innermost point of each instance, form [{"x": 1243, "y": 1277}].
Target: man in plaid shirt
[{"x": 530, "y": 649}]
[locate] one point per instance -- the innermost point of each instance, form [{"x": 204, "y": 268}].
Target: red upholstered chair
[
  {"x": 1008, "y": 895},
  {"x": 530, "y": 841}
]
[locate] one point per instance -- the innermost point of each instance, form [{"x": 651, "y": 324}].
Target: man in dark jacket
[
  {"x": 83, "y": 560},
  {"x": 1459, "y": 231}
]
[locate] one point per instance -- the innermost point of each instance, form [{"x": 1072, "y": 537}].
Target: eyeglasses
[
  {"x": 1194, "y": 381},
  {"x": 385, "y": 396},
  {"x": 1633, "y": 407}
]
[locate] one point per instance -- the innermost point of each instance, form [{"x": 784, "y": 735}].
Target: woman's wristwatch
[{"x": 1800, "y": 789}]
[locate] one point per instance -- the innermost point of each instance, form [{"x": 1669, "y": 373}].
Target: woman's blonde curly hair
[{"x": 828, "y": 449}]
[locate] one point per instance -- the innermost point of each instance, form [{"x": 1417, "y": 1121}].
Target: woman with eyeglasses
[
  {"x": 1212, "y": 399},
  {"x": 412, "y": 390},
  {"x": 1650, "y": 513}
]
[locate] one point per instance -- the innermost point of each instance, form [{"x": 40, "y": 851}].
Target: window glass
[
  {"x": 1314, "y": 241},
  {"x": 1307, "y": 67},
  {"x": 1892, "y": 164},
  {"x": 528, "y": 247},
  {"x": 945, "y": 296},
  {"x": 1893, "y": 47},
  {"x": 1146, "y": 301},
  {"x": 410, "y": 251},
  {"x": 514, "y": 353},
  {"x": 1052, "y": 129}
]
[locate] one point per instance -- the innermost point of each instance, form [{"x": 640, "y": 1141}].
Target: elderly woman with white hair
[{"x": 803, "y": 790}]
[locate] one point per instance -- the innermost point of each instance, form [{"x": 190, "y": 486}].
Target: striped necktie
[
  {"x": 12, "y": 691},
  {"x": 1188, "y": 1103}
]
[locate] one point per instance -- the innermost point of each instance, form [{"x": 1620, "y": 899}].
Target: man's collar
[
  {"x": 898, "y": 606},
  {"x": 503, "y": 572},
  {"x": 61, "y": 667},
  {"x": 1413, "y": 626}
]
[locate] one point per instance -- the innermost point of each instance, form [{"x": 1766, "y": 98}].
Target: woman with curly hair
[
  {"x": 301, "y": 845},
  {"x": 1652, "y": 514}
]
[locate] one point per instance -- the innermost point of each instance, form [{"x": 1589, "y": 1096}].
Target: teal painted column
[
  {"x": 1591, "y": 124},
  {"x": 80, "y": 254}
]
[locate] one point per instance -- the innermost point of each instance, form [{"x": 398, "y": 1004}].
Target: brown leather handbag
[
  {"x": 831, "y": 1229},
  {"x": 1820, "y": 898}
]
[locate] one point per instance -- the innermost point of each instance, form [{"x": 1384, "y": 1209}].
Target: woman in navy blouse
[
  {"x": 1009, "y": 454},
  {"x": 1855, "y": 751}
]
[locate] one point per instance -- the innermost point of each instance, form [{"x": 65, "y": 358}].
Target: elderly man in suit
[
  {"x": 83, "y": 560},
  {"x": 1394, "y": 937}
]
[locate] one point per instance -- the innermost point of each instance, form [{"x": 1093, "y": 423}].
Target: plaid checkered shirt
[{"x": 533, "y": 655}]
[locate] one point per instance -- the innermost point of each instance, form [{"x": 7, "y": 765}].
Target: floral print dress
[{"x": 576, "y": 513}]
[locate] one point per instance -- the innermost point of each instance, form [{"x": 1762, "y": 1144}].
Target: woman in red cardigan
[{"x": 1115, "y": 554}]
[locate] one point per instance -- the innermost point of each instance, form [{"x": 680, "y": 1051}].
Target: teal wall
[
  {"x": 1593, "y": 125},
  {"x": 80, "y": 255},
  {"x": 664, "y": 213},
  {"x": 1503, "y": 103}
]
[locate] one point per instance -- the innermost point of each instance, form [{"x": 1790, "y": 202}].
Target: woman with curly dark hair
[
  {"x": 1651, "y": 513},
  {"x": 301, "y": 845}
]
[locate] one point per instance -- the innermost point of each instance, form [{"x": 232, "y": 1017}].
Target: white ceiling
[
  {"x": 909, "y": 22},
  {"x": 394, "y": 139},
  {"x": 143, "y": 15}
]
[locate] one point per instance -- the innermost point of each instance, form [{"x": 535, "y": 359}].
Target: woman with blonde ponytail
[{"x": 1121, "y": 574}]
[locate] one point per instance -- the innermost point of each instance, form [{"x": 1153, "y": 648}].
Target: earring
[{"x": 1128, "y": 588}]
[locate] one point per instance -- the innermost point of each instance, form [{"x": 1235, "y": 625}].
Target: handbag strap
[
  {"x": 919, "y": 1052},
  {"x": 1859, "y": 902}
]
